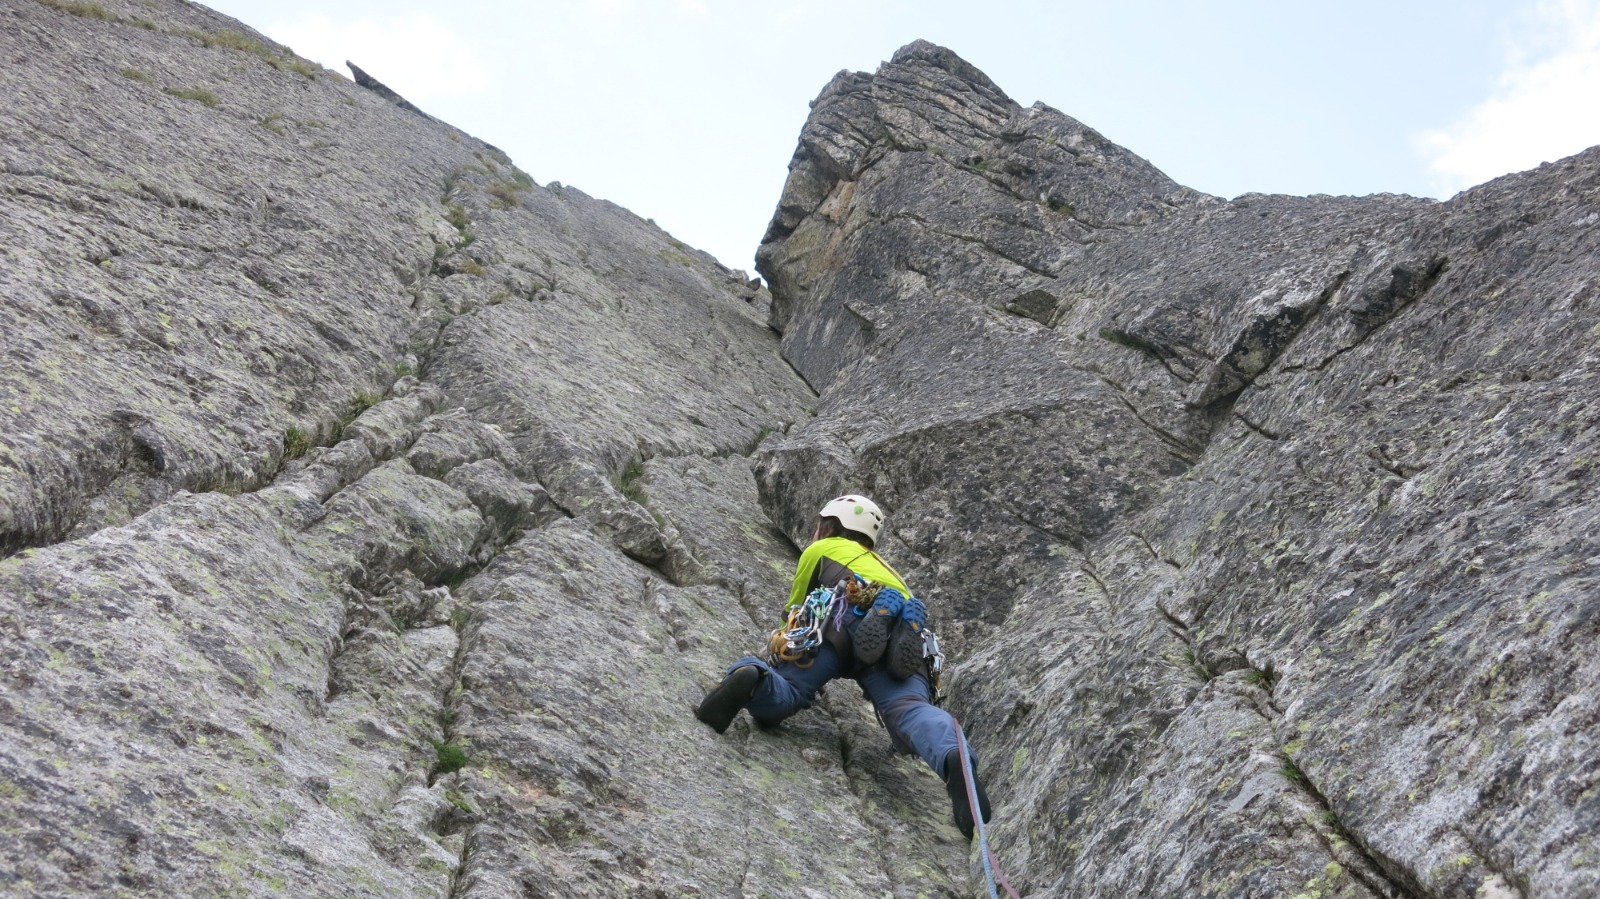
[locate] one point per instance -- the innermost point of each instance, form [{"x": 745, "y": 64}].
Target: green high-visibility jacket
[{"x": 848, "y": 553}]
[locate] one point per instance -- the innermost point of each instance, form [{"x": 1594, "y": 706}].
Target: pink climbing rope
[{"x": 991, "y": 865}]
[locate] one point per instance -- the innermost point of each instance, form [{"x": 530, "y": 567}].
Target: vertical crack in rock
[
  {"x": 1378, "y": 874},
  {"x": 1194, "y": 660},
  {"x": 759, "y": 614},
  {"x": 461, "y": 879},
  {"x": 461, "y": 818},
  {"x": 449, "y": 701},
  {"x": 1183, "y": 449},
  {"x": 1511, "y": 884},
  {"x": 860, "y": 788}
]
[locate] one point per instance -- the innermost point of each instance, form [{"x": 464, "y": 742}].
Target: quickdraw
[
  {"x": 797, "y": 640},
  {"x": 935, "y": 658}
]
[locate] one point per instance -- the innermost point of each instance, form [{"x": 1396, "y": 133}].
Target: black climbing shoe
[
  {"x": 871, "y": 636},
  {"x": 905, "y": 644},
  {"x": 955, "y": 783},
  {"x": 723, "y": 703}
]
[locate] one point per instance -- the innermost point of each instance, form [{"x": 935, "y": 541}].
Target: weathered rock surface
[
  {"x": 1266, "y": 529},
  {"x": 372, "y": 516}
]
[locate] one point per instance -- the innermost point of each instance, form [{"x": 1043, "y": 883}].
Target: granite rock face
[
  {"x": 1265, "y": 530},
  {"x": 372, "y": 516}
]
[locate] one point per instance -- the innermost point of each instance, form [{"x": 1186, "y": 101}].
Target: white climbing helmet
[{"x": 856, "y": 513}]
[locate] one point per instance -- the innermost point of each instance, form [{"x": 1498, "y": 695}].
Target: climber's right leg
[{"x": 770, "y": 692}]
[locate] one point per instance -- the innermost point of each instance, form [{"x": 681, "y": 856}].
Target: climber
[{"x": 881, "y": 646}]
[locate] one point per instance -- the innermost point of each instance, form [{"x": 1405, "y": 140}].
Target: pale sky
[{"x": 687, "y": 111}]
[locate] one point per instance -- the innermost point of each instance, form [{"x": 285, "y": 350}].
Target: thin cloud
[
  {"x": 1541, "y": 109},
  {"x": 415, "y": 54}
]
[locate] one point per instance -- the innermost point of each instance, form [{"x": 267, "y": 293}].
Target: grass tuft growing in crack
[
  {"x": 198, "y": 94},
  {"x": 450, "y": 754},
  {"x": 501, "y": 195},
  {"x": 628, "y": 485},
  {"x": 359, "y": 403},
  {"x": 451, "y": 757},
  {"x": 227, "y": 38},
  {"x": 755, "y": 443},
  {"x": 296, "y": 443},
  {"x": 1292, "y": 773},
  {"x": 457, "y": 216},
  {"x": 505, "y": 193},
  {"x": 82, "y": 10},
  {"x": 233, "y": 40}
]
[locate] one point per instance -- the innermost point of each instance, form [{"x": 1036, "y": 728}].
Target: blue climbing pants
[{"x": 914, "y": 723}]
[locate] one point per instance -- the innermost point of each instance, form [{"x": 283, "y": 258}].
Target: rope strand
[{"x": 991, "y": 865}]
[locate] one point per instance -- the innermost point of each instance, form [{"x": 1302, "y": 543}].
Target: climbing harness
[
  {"x": 797, "y": 640},
  {"x": 991, "y": 866}
]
